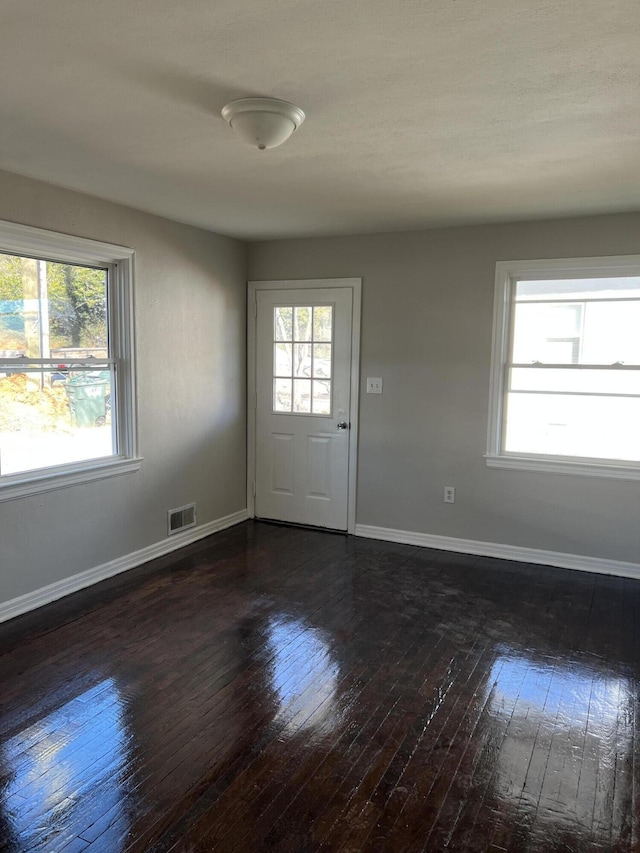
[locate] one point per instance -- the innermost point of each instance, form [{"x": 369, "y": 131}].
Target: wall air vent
[{"x": 181, "y": 518}]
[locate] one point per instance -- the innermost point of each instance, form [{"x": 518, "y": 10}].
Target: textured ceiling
[{"x": 420, "y": 113}]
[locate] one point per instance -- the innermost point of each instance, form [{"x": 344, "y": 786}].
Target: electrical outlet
[
  {"x": 374, "y": 385},
  {"x": 449, "y": 495}
]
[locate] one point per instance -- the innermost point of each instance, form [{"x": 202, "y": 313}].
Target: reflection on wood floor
[{"x": 288, "y": 690}]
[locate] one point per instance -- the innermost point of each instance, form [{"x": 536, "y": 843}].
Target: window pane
[
  {"x": 281, "y": 395},
  {"x": 302, "y": 324},
  {"x": 55, "y": 416},
  {"x": 302, "y": 359},
  {"x": 547, "y": 332},
  {"x": 322, "y": 360},
  {"x": 49, "y": 308},
  {"x": 579, "y": 288},
  {"x": 576, "y": 381},
  {"x": 283, "y": 324},
  {"x": 600, "y": 329},
  {"x": 282, "y": 359},
  {"x": 51, "y": 418},
  {"x": 611, "y": 333},
  {"x": 302, "y": 395},
  {"x": 322, "y": 397},
  {"x": 591, "y": 427},
  {"x": 322, "y": 322}
]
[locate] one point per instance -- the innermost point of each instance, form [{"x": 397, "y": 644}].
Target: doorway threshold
[{"x": 278, "y": 523}]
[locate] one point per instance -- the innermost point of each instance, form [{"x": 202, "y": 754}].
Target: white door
[{"x": 303, "y": 386}]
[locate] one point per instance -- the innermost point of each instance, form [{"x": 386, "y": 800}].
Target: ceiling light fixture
[{"x": 263, "y": 122}]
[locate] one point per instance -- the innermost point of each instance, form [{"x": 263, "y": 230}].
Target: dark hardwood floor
[{"x": 281, "y": 689}]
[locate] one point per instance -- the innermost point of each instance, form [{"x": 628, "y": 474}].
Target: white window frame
[
  {"x": 507, "y": 274},
  {"x": 119, "y": 260}
]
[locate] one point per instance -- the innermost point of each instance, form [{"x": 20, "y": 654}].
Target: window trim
[
  {"x": 507, "y": 273},
  {"x": 65, "y": 248}
]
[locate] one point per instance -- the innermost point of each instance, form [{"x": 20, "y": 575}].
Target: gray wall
[
  {"x": 427, "y": 323},
  {"x": 190, "y": 294},
  {"x": 427, "y": 314}
]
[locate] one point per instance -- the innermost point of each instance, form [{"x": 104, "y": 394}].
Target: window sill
[
  {"x": 35, "y": 484},
  {"x": 548, "y": 465}
]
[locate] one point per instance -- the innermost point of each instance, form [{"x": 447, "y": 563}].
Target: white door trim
[{"x": 355, "y": 284}]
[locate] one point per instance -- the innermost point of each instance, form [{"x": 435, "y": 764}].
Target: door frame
[{"x": 253, "y": 287}]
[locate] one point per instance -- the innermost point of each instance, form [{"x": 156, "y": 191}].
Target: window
[
  {"x": 67, "y": 410},
  {"x": 565, "y": 384},
  {"x": 302, "y": 348}
]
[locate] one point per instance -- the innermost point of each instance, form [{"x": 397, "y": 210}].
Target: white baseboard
[
  {"x": 502, "y": 552},
  {"x": 53, "y": 591}
]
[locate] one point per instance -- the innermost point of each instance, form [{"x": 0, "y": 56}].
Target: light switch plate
[{"x": 374, "y": 385}]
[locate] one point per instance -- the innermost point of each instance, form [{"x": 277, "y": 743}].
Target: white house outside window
[
  {"x": 565, "y": 385},
  {"x": 67, "y": 393}
]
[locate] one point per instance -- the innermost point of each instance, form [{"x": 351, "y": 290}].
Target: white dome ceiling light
[{"x": 263, "y": 122}]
